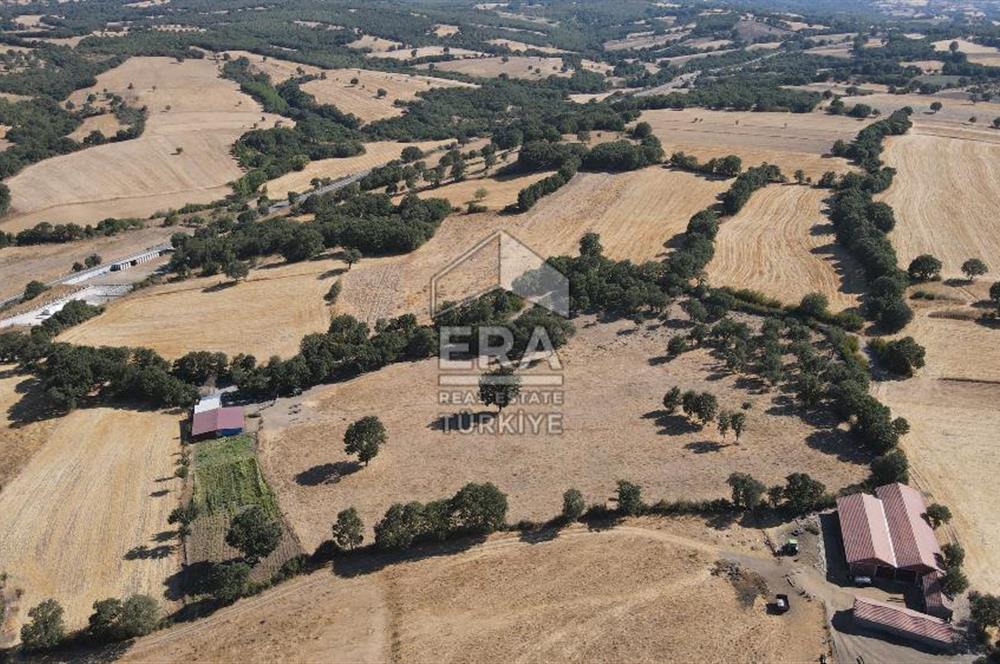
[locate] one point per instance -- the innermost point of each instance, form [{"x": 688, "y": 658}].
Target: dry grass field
[
  {"x": 635, "y": 593},
  {"x": 279, "y": 70},
  {"x": 644, "y": 40},
  {"x": 138, "y": 177},
  {"x": 954, "y": 116},
  {"x": 790, "y": 140},
  {"x": 976, "y": 53},
  {"x": 86, "y": 518},
  {"x": 376, "y": 154},
  {"x": 523, "y": 46},
  {"x": 782, "y": 245},
  {"x": 500, "y": 191},
  {"x": 406, "y": 54},
  {"x": 607, "y": 368},
  {"x": 19, "y": 265},
  {"x": 18, "y": 441},
  {"x": 106, "y": 123},
  {"x": 517, "y": 66},
  {"x": 362, "y": 99},
  {"x": 931, "y": 218},
  {"x": 374, "y": 44},
  {"x": 266, "y": 315}
]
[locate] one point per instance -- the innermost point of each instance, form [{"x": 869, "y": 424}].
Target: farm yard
[
  {"x": 560, "y": 595},
  {"x": 191, "y": 109},
  {"x": 789, "y": 140},
  {"x": 95, "y": 496},
  {"x": 782, "y": 245},
  {"x": 607, "y": 368},
  {"x": 213, "y": 313}
]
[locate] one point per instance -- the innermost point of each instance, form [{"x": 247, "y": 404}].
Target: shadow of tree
[
  {"x": 464, "y": 421},
  {"x": 327, "y": 473},
  {"x": 671, "y": 425}
]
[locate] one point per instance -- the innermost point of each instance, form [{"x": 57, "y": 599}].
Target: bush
[
  {"x": 629, "y": 498},
  {"x": 901, "y": 356},
  {"x": 573, "y": 505}
]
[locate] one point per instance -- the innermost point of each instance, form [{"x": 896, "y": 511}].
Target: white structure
[{"x": 208, "y": 403}]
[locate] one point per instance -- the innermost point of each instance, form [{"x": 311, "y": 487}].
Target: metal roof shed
[
  {"x": 912, "y": 536},
  {"x": 903, "y": 622},
  {"x": 865, "y": 531},
  {"x": 217, "y": 422}
]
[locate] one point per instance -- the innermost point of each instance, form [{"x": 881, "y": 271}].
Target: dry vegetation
[
  {"x": 516, "y": 66},
  {"x": 782, "y": 245},
  {"x": 266, "y": 315},
  {"x": 931, "y": 218},
  {"x": 376, "y": 154},
  {"x": 501, "y": 191},
  {"x": 562, "y": 599},
  {"x": 138, "y": 177},
  {"x": 374, "y": 44},
  {"x": 976, "y": 53},
  {"x": 106, "y": 123},
  {"x": 18, "y": 440},
  {"x": 425, "y": 52},
  {"x": 607, "y": 368},
  {"x": 86, "y": 518},
  {"x": 643, "y": 40},
  {"x": 362, "y": 98},
  {"x": 790, "y": 140},
  {"x": 516, "y": 46}
]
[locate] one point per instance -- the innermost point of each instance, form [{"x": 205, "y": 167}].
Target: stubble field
[
  {"x": 790, "y": 140},
  {"x": 657, "y": 602},
  {"x": 782, "y": 245},
  {"x": 86, "y": 517},
  {"x": 516, "y": 66},
  {"x": 138, "y": 177}
]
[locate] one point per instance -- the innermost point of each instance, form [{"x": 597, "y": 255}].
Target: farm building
[
  {"x": 217, "y": 422},
  {"x": 903, "y": 622},
  {"x": 936, "y": 603},
  {"x": 208, "y": 403},
  {"x": 887, "y": 535}
]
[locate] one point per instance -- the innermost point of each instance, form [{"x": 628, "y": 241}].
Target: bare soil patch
[
  {"x": 789, "y": 140},
  {"x": 607, "y": 368},
  {"x": 86, "y": 518},
  {"x": 136, "y": 178},
  {"x": 782, "y": 245}
]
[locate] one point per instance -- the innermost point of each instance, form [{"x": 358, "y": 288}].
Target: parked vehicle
[
  {"x": 862, "y": 581},
  {"x": 781, "y": 603}
]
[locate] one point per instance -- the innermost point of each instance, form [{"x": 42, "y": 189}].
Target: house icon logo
[{"x": 500, "y": 260}]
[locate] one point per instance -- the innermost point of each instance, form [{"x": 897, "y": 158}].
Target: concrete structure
[
  {"x": 902, "y": 622},
  {"x": 217, "y": 422},
  {"x": 887, "y": 535}
]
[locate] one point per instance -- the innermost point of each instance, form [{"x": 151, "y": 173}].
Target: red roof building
[
  {"x": 217, "y": 422},
  {"x": 912, "y": 536},
  {"x": 900, "y": 621},
  {"x": 936, "y": 602}
]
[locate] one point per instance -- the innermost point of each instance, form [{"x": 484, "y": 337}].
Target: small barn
[
  {"x": 902, "y": 622},
  {"x": 936, "y": 603},
  {"x": 217, "y": 422}
]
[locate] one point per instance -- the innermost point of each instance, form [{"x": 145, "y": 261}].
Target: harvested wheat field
[
  {"x": 644, "y": 40},
  {"x": 635, "y": 213},
  {"x": 375, "y": 44},
  {"x": 279, "y": 70},
  {"x": 634, "y": 593},
  {"x": 405, "y": 54},
  {"x": 376, "y": 154},
  {"x": 516, "y": 66},
  {"x": 444, "y": 30},
  {"x": 524, "y": 46},
  {"x": 138, "y": 177},
  {"x": 782, "y": 245},
  {"x": 266, "y": 315},
  {"x": 789, "y": 140},
  {"x": 20, "y": 399},
  {"x": 362, "y": 98},
  {"x": 606, "y": 368},
  {"x": 105, "y": 123},
  {"x": 954, "y": 116},
  {"x": 86, "y": 518},
  {"x": 500, "y": 190},
  {"x": 930, "y": 218},
  {"x": 45, "y": 262}
]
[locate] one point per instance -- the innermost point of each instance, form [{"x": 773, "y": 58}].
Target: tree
[
  {"x": 936, "y": 106},
  {"x": 799, "y": 175},
  {"x": 642, "y": 130},
  {"x": 924, "y": 268},
  {"x": 499, "y": 387},
  {"x": 46, "y": 628},
  {"x": 748, "y": 493},
  {"x": 381, "y": 93},
  {"x": 724, "y": 422},
  {"x": 891, "y": 467},
  {"x": 677, "y": 345},
  {"x": 954, "y": 582},
  {"x": 996, "y": 123},
  {"x": 254, "y": 534},
  {"x": 364, "y": 438},
  {"x": 348, "y": 531},
  {"x": 33, "y": 290},
  {"x": 479, "y": 508},
  {"x": 237, "y": 270},
  {"x": 738, "y": 423},
  {"x": 953, "y": 47},
  {"x": 705, "y": 407},
  {"x": 400, "y": 526},
  {"x": 573, "y": 505},
  {"x": 671, "y": 400},
  {"x": 973, "y": 268},
  {"x": 802, "y": 493},
  {"x": 303, "y": 243},
  {"x": 351, "y": 256},
  {"x": 227, "y": 581},
  {"x": 114, "y": 620},
  {"x": 984, "y": 610},
  {"x": 93, "y": 260},
  {"x": 629, "y": 497},
  {"x": 938, "y": 514},
  {"x": 953, "y": 554},
  {"x": 900, "y": 356},
  {"x": 411, "y": 153},
  {"x": 815, "y": 305}
]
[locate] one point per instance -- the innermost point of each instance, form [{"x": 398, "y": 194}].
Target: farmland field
[
  {"x": 517, "y": 66},
  {"x": 930, "y": 219},
  {"x": 657, "y": 602},
  {"x": 607, "y": 368},
  {"x": 138, "y": 177},
  {"x": 500, "y": 190},
  {"x": 18, "y": 440},
  {"x": 94, "y": 497},
  {"x": 782, "y": 245},
  {"x": 213, "y": 314},
  {"x": 789, "y": 140}
]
